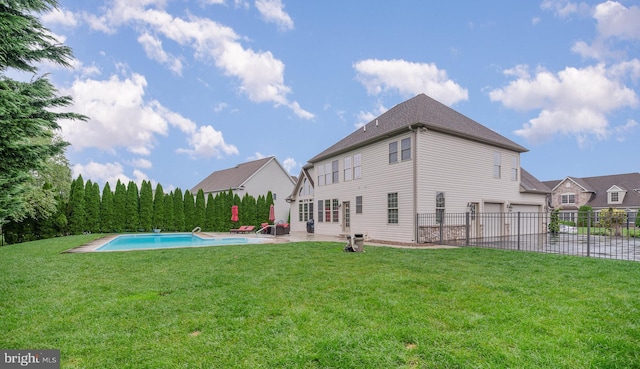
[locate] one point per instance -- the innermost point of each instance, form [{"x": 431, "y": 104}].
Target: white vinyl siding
[
  {"x": 463, "y": 180},
  {"x": 372, "y": 181},
  {"x": 272, "y": 177}
]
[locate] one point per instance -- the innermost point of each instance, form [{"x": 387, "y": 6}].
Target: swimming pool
[{"x": 163, "y": 241}]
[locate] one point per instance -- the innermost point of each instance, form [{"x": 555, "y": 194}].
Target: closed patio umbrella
[
  {"x": 272, "y": 213},
  {"x": 234, "y": 213}
]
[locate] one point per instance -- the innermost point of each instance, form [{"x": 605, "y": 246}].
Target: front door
[{"x": 346, "y": 217}]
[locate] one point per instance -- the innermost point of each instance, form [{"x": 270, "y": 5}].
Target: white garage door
[
  {"x": 492, "y": 220},
  {"x": 528, "y": 221}
]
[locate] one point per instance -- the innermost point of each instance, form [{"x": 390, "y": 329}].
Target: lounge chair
[
  {"x": 238, "y": 230},
  {"x": 247, "y": 229},
  {"x": 243, "y": 229}
]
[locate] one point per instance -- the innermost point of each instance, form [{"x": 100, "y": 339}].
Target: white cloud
[
  {"x": 561, "y": 8},
  {"x": 273, "y": 11},
  {"x": 153, "y": 48},
  {"x": 408, "y": 78},
  {"x": 623, "y": 131},
  {"x": 121, "y": 117},
  {"x": 572, "y": 102},
  {"x": 615, "y": 22},
  {"x": 101, "y": 173},
  {"x": 207, "y": 142},
  {"x": 141, "y": 163},
  {"x": 256, "y": 156},
  {"x": 60, "y": 17},
  {"x": 260, "y": 74},
  {"x": 290, "y": 165},
  {"x": 220, "y": 107}
]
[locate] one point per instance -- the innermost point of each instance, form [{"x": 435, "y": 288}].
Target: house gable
[{"x": 231, "y": 178}]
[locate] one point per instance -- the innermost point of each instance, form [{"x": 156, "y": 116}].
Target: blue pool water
[{"x": 163, "y": 241}]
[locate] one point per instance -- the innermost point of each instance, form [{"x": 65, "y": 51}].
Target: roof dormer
[{"x": 615, "y": 195}]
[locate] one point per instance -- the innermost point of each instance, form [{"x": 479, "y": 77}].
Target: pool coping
[{"x": 94, "y": 245}]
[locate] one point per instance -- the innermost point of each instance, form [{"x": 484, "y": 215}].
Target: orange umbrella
[
  {"x": 272, "y": 213},
  {"x": 234, "y": 213}
]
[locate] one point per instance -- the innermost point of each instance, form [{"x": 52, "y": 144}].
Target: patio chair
[{"x": 238, "y": 230}]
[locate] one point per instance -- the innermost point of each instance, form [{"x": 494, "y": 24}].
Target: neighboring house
[
  {"x": 419, "y": 157},
  {"x": 621, "y": 191},
  {"x": 255, "y": 178}
]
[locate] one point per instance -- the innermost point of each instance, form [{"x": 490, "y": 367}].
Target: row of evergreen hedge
[{"x": 133, "y": 209}]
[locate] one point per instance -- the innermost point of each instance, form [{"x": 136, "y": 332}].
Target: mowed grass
[{"x": 310, "y": 305}]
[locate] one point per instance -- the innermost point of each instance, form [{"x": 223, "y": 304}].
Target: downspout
[{"x": 415, "y": 183}]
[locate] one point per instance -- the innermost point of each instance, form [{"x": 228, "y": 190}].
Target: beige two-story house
[
  {"x": 255, "y": 178},
  {"x": 419, "y": 157}
]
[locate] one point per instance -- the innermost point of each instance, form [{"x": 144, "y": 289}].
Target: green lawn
[{"x": 310, "y": 305}]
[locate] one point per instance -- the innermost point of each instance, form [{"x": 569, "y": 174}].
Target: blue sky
[{"x": 176, "y": 89}]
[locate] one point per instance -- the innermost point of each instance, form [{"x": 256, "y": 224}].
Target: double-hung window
[
  {"x": 320, "y": 210},
  {"x": 405, "y": 147},
  {"x": 514, "y": 168},
  {"x": 497, "y": 165},
  {"x": 568, "y": 198},
  {"x": 320, "y": 175},
  {"x": 357, "y": 166},
  {"x": 392, "y": 208},
  {"x": 393, "y": 152},
  {"x": 334, "y": 172},
  {"x": 327, "y": 173},
  {"x": 348, "y": 174},
  {"x": 358, "y": 204}
]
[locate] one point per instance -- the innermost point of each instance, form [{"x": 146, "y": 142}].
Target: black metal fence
[{"x": 531, "y": 232}]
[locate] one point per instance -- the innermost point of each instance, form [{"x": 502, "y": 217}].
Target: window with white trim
[
  {"x": 348, "y": 174},
  {"x": 320, "y": 175},
  {"x": 497, "y": 165},
  {"x": 393, "y": 152},
  {"x": 334, "y": 172},
  {"x": 392, "y": 208},
  {"x": 327, "y": 174},
  {"x": 514, "y": 168},
  {"x": 614, "y": 197},
  {"x": 405, "y": 147},
  {"x": 568, "y": 198},
  {"x": 305, "y": 210},
  {"x": 358, "y": 204},
  {"x": 357, "y": 166}
]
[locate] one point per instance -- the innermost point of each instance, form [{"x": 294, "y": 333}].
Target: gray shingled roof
[
  {"x": 531, "y": 184},
  {"x": 235, "y": 177},
  {"x": 420, "y": 111}
]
